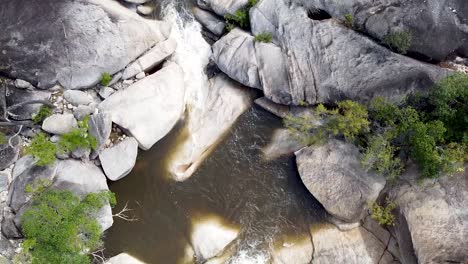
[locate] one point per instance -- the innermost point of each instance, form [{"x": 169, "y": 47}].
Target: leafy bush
[
  {"x": 43, "y": 113},
  {"x": 59, "y": 227},
  {"x": 349, "y": 119},
  {"x": 42, "y": 149},
  {"x": 240, "y": 18},
  {"x": 383, "y": 215},
  {"x": 348, "y": 20},
  {"x": 380, "y": 156},
  {"x": 78, "y": 138},
  {"x": 264, "y": 37},
  {"x": 105, "y": 79},
  {"x": 399, "y": 41},
  {"x": 449, "y": 101}
]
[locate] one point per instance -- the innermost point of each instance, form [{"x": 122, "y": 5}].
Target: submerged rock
[
  {"x": 150, "y": 108},
  {"x": 293, "y": 250},
  {"x": 433, "y": 215},
  {"x": 225, "y": 101},
  {"x": 59, "y": 124},
  {"x": 210, "y": 236},
  {"x": 333, "y": 174},
  {"x": 118, "y": 160},
  {"x": 72, "y": 42},
  {"x": 312, "y": 61},
  {"x": 282, "y": 143}
]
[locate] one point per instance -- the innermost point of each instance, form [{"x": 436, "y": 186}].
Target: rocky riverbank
[{"x": 106, "y": 66}]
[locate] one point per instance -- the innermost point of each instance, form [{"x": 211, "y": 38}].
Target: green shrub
[
  {"x": 380, "y": 156},
  {"x": 239, "y": 18},
  {"x": 399, "y": 41},
  {"x": 105, "y": 79},
  {"x": 78, "y": 138},
  {"x": 59, "y": 227},
  {"x": 42, "y": 149},
  {"x": 383, "y": 215},
  {"x": 264, "y": 37},
  {"x": 3, "y": 138},
  {"x": 43, "y": 113},
  {"x": 449, "y": 101},
  {"x": 348, "y": 20},
  {"x": 349, "y": 119}
]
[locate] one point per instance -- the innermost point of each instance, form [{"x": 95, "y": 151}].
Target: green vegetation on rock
[
  {"x": 3, "y": 138},
  {"x": 78, "y": 138},
  {"x": 430, "y": 130},
  {"x": 43, "y": 113},
  {"x": 42, "y": 149},
  {"x": 399, "y": 41},
  {"x": 240, "y": 18},
  {"x": 60, "y": 227},
  {"x": 383, "y": 214},
  {"x": 264, "y": 37},
  {"x": 347, "y": 120},
  {"x": 348, "y": 20},
  {"x": 105, "y": 79}
]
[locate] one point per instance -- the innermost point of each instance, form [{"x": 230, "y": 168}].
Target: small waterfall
[{"x": 193, "y": 52}]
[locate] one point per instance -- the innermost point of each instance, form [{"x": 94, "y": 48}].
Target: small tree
[
  {"x": 348, "y": 20},
  {"x": 399, "y": 41},
  {"x": 43, "y": 113},
  {"x": 59, "y": 227},
  {"x": 264, "y": 37},
  {"x": 78, "y": 138}
]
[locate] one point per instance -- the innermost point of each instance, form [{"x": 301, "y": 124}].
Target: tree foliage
[
  {"x": 59, "y": 227},
  {"x": 347, "y": 120},
  {"x": 240, "y": 18}
]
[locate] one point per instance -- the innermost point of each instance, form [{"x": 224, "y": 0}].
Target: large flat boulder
[
  {"x": 333, "y": 174},
  {"x": 423, "y": 19},
  {"x": 223, "y": 103},
  {"x": 72, "y": 42},
  {"x": 311, "y": 61},
  {"x": 150, "y": 108},
  {"x": 433, "y": 215}
]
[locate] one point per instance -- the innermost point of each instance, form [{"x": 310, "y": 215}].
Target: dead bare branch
[{"x": 122, "y": 214}]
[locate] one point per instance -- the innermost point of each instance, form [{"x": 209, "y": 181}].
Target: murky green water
[{"x": 266, "y": 199}]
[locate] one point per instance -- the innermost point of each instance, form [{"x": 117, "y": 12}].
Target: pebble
[
  {"x": 128, "y": 81},
  {"x": 22, "y": 84},
  {"x": 145, "y": 10}
]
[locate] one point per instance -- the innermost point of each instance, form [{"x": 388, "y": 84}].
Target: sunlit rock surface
[
  {"x": 210, "y": 236},
  {"x": 223, "y": 103},
  {"x": 150, "y": 108},
  {"x": 72, "y": 42}
]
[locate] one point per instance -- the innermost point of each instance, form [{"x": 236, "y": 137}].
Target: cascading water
[{"x": 264, "y": 200}]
